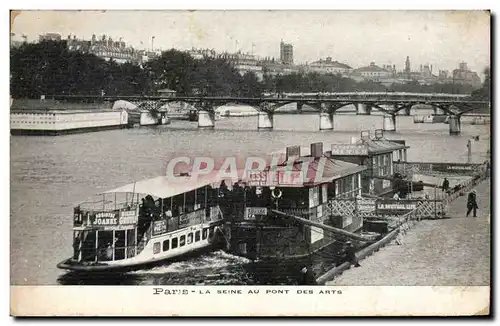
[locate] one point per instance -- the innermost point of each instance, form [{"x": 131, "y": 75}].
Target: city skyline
[{"x": 383, "y": 37}]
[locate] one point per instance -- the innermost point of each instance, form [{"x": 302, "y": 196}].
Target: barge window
[
  {"x": 182, "y": 241},
  {"x": 174, "y": 243},
  {"x": 197, "y": 236},
  {"x": 200, "y": 198},
  {"x": 190, "y": 201},
  {"x": 156, "y": 248},
  {"x": 166, "y": 245},
  {"x": 382, "y": 164},
  {"x": 331, "y": 190},
  {"x": 294, "y": 198},
  {"x": 205, "y": 233},
  {"x": 190, "y": 238}
]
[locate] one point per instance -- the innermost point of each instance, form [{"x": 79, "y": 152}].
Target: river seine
[{"x": 49, "y": 175}]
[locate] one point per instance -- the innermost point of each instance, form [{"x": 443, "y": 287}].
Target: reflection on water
[{"x": 51, "y": 174}]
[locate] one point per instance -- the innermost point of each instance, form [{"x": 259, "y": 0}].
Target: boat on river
[
  {"x": 285, "y": 213},
  {"x": 430, "y": 118},
  {"x": 144, "y": 223}
]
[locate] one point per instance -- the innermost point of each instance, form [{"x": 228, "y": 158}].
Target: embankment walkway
[{"x": 444, "y": 252}]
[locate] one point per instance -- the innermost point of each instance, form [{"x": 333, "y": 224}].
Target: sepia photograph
[{"x": 162, "y": 157}]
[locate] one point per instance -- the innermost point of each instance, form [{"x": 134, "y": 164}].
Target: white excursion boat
[{"x": 146, "y": 222}]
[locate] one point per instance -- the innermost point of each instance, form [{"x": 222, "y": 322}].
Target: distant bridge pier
[
  {"x": 407, "y": 111},
  {"x": 438, "y": 111},
  {"x": 206, "y": 119},
  {"x": 326, "y": 121},
  {"x": 265, "y": 120},
  {"x": 363, "y": 109},
  {"x": 389, "y": 122},
  {"x": 299, "y": 107},
  {"x": 454, "y": 122}
]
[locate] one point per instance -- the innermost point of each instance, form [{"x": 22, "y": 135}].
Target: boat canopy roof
[
  {"x": 165, "y": 187},
  {"x": 321, "y": 171},
  {"x": 367, "y": 147},
  {"x": 378, "y": 146}
]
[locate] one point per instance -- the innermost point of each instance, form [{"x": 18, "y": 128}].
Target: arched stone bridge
[{"x": 325, "y": 103}]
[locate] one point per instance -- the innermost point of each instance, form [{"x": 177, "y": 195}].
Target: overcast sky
[{"x": 440, "y": 38}]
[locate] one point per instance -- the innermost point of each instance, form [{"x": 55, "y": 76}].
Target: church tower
[{"x": 407, "y": 66}]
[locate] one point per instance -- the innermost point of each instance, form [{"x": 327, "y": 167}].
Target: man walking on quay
[{"x": 472, "y": 202}]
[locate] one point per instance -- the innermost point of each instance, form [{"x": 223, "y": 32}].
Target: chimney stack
[{"x": 317, "y": 150}]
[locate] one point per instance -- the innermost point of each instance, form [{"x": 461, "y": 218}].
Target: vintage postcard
[{"x": 250, "y": 163}]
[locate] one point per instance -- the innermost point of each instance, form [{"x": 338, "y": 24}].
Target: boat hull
[
  {"x": 70, "y": 265},
  {"x": 155, "y": 251},
  {"x": 258, "y": 242}
]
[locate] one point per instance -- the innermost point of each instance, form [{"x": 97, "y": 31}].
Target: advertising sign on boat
[
  {"x": 275, "y": 178},
  {"x": 395, "y": 206},
  {"x": 290, "y": 178},
  {"x": 252, "y": 211},
  {"x": 105, "y": 218},
  {"x": 198, "y": 215},
  {"x": 349, "y": 149},
  {"x": 366, "y": 205},
  {"x": 128, "y": 217},
  {"x": 159, "y": 227},
  {"x": 454, "y": 168}
]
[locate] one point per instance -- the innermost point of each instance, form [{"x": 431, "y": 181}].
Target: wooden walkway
[{"x": 453, "y": 251}]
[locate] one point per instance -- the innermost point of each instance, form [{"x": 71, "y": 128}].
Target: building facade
[
  {"x": 372, "y": 72},
  {"x": 109, "y": 49},
  {"x": 49, "y": 37},
  {"x": 327, "y": 66},
  {"x": 463, "y": 75},
  {"x": 245, "y": 63}
]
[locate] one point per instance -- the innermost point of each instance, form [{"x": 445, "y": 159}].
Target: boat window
[
  {"x": 182, "y": 240},
  {"x": 293, "y": 198},
  {"x": 174, "y": 243},
  {"x": 178, "y": 205},
  {"x": 200, "y": 198},
  {"x": 190, "y": 201},
  {"x": 156, "y": 248},
  {"x": 105, "y": 245},
  {"x": 166, "y": 245},
  {"x": 190, "y": 238},
  {"x": 205, "y": 233},
  {"x": 119, "y": 245},
  {"x": 197, "y": 236},
  {"x": 331, "y": 190}
]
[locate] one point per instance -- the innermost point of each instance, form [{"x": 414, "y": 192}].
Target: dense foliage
[{"x": 47, "y": 68}]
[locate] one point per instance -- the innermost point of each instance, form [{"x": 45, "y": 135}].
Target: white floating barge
[{"x": 56, "y": 122}]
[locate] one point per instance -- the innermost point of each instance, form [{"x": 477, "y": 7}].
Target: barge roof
[
  {"x": 165, "y": 187},
  {"x": 331, "y": 170},
  {"x": 367, "y": 147}
]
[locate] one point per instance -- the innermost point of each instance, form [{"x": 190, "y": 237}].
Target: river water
[{"x": 49, "y": 175}]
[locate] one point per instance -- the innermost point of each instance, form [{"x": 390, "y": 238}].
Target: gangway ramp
[{"x": 347, "y": 234}]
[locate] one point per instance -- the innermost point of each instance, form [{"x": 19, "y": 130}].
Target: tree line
[{"x": 48, "y": 67}]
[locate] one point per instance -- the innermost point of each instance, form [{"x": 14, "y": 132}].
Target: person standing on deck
[
  {"x": 472, "y": 202},
  {"x": 307, "y": 277},
  {"x": 446, "y": 185},
  {"x": 396, "y": 196},
  {"x": 350, "y": 254}
]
